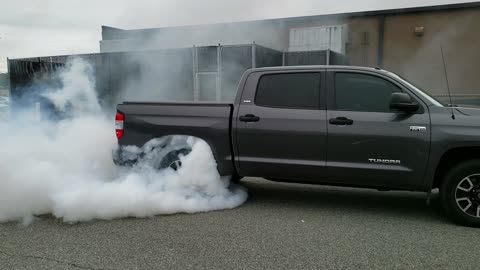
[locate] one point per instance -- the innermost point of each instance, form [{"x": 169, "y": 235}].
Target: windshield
[{"x": 419, "y": 91}]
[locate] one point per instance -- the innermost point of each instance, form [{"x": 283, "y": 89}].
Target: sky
[{"x": 31, "y": 28}]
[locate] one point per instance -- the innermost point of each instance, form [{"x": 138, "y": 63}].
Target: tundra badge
[{"x": 385, "y": 161}]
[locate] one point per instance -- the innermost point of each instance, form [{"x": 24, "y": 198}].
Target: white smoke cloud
[
  {"x": 65, "y": 167},
  {"x": 77, "y": 94}
]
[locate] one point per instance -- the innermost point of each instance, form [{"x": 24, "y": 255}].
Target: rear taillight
[{"x": 119, "y": 118}]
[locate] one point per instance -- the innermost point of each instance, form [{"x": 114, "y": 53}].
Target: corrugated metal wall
[
  {"x": 200, "y": 73},
  {"x": 319, "y": 38}
]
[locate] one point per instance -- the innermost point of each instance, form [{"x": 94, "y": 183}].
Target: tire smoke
[{"x": 64, "y": 166}]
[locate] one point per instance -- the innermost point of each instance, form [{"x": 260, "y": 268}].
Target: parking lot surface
[{"x": 282, "y": 226}]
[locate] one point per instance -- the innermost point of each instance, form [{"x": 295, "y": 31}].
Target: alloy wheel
[
  {"x": 175, "y": 165},
  {"x": 467, "y": 195}
]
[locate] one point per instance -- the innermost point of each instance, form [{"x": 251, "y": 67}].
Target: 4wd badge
[{"x": 418, "y": 129}]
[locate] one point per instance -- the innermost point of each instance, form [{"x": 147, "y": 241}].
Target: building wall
[
  {"x": 363, "y": 45},
  {"x": 264, "y": 33},
  {"x": 418, "y": 58},
  {"x": 363, "y": 37}
]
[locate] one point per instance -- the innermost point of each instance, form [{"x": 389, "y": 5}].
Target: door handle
[
  {"x": 249, "y": 118},
  {"x": 341, "y": 121}
]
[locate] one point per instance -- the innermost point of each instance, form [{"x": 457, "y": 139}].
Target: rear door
[
  {"x": 368, "y": 144},
  {"x": 281, "y": 126}
]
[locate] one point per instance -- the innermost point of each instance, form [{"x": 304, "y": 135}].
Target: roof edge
[{"x": 394, "y": 11}]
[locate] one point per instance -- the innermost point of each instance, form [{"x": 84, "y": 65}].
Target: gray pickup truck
[{"x": 329, "y": 125}]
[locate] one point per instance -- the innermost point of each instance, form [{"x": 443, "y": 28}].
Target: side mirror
[{"x": 403, "y": 102}]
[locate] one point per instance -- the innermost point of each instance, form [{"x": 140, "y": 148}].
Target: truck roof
[{"x": 314, "y": 67}]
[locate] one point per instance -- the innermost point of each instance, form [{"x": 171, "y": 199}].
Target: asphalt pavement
[{"x": 282, "y": 226}]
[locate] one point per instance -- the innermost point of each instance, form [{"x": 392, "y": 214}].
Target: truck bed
[{"x": 207, "y": 120}]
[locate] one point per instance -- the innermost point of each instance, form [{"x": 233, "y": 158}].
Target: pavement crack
[{"x": 76, "y": 265}]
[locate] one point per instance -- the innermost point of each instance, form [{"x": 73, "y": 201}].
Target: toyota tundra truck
[{"x": 328, "y": 125}]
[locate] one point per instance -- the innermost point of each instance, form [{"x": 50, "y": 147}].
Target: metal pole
[
  {"x": 9, "y": 71},
  {"x": 195, "y": 69},
  {"x": 254, "y": 56},
  {"x": 329, "y": 38},
  {"x": 219, "y": 73},
  {"x": 328, "y": 57}
]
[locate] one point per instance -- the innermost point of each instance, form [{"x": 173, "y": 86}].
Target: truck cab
[{"x": 331, "y": 123}]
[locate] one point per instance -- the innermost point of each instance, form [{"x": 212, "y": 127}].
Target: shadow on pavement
[{"x": 399, "y": 204}]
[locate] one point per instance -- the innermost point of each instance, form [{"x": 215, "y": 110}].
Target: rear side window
[
  {"x": 361, "y": 92},
  {"x": 290, "y": 90}
]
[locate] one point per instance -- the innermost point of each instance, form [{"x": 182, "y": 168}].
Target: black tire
[
  {"x": 172, "y": 159},
  {"x": 460, "y": 193}
]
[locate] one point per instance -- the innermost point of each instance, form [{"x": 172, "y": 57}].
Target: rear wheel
[
  {"x": 172, "y": 160},
  {"x": 460, "y": 193}
]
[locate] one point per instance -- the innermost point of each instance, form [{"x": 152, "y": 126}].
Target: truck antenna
[{"x": 448, "y": 83}]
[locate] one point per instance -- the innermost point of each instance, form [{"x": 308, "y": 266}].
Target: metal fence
[
  {"x": 327, "y": 57},
  {"x": 208, "y": 73}
]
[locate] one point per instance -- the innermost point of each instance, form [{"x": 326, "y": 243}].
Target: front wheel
[{"x": 460, "y": 193}]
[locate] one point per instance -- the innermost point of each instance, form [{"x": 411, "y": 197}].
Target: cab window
[
  {"x": 362, "y": 92},
  {"x": 289, "y": 90}
]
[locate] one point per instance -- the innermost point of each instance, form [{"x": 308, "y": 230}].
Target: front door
[
  {"x": 281, "y": 126},
  {"x": 368, "y": 144}
]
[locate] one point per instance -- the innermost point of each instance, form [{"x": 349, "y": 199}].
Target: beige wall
[
  {"x": 363, "y": 43},
  {"x": 419, "y": 58}
]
